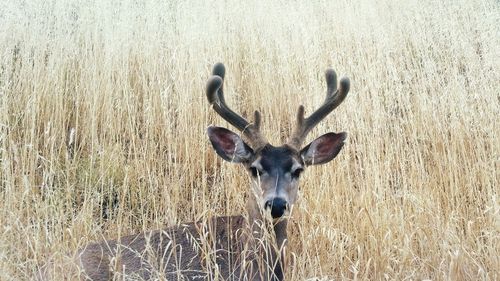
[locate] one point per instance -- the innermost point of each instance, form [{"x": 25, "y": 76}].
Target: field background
[{"x": 103, "y": 118}]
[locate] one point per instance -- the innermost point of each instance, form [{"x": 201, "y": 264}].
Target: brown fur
[{"x": 220, "y": 248}]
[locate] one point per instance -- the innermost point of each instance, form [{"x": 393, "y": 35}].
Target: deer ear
[
  {"x": 229, "y": 145},
  {"x": 323, "y": 149}
]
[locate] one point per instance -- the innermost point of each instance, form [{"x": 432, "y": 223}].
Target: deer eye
[
  {"x": 296, "y": 174},
  {"x": 255, "y": 172}
]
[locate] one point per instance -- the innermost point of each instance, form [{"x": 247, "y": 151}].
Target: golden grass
[{"x": 413, "y": 195}]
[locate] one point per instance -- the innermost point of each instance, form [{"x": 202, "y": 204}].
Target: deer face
[
  {"x": 275, "y": 171},
  {"x": 275, "y": 174}
]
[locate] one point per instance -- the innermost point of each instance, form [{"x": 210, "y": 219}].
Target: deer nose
[{"x": 277, "y": 206}]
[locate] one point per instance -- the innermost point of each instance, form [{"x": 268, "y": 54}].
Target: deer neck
[
  {"x": 260, "y": 226},
  {"x": 280, "y": 232}
]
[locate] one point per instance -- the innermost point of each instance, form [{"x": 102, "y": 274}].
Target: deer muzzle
[{"x": 277, "y": 206}]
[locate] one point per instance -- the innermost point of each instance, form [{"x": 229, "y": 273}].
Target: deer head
[{"x": 275, "y": 171}]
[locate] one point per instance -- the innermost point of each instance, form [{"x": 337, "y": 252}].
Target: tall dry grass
[{"x": 103, "y": 118}]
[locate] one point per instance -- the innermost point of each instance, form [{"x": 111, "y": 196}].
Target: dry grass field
[{"x": 103, "y": 121}]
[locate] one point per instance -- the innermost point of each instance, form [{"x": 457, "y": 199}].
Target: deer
[{"x": 250, "y": 246}]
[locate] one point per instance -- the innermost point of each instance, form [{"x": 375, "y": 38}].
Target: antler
[
  {"x": 334, "y": 97},
  {"x": 215, "y": 95}
]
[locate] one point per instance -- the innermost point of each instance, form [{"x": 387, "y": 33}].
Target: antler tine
[
  {"x": 220, "y": 70},
  {"x": 215, "y": 95},
  {"x": 334, "y": 97}
]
